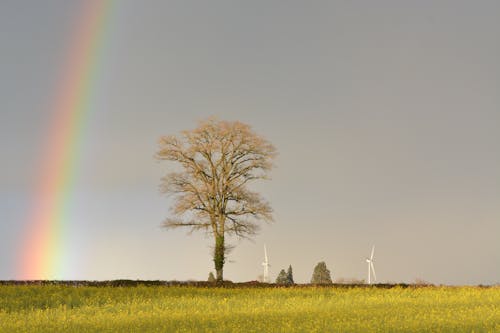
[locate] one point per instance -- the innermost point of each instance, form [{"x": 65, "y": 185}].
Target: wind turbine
[
  {"x": 266, "y": 266},
  {"x": 370, "y": 267}
]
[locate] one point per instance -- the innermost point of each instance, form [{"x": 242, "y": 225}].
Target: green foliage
[
  {"x": 321, "y": 274},
  {"x": 211, "y": 277},
  {"x": 282, "y": 278},
  {"x": 56, "y": 308}
]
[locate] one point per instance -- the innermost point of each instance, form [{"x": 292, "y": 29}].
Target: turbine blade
[
  {"x": 373, "y": 270},
  {"x": 373, "y": 252},
  {"x": 265, "y": 253}
]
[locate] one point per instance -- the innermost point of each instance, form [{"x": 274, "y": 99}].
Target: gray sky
[{"x": 386, "y": 115}]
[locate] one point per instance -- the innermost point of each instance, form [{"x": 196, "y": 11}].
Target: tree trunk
[{"x": 219, "y": 256}]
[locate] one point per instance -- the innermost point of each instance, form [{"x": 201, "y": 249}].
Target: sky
[{"x": 385, "y": 114}]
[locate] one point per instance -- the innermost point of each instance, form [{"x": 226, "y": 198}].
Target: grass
[{"x": 62, "y": 308}]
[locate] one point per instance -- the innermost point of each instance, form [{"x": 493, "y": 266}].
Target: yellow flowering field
[{"x": 62, "y": 308}]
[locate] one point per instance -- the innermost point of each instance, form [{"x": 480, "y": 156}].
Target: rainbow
[{"x": 42, "y": 246}]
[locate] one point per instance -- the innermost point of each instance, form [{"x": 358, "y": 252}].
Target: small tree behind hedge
[
  {"x": 289, "y": 275},
  {"x": 321, "y": 274},
  {"x": 282, "y": 277}
]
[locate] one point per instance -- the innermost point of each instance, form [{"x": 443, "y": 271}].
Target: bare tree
[{"x": 218, "y": 160}]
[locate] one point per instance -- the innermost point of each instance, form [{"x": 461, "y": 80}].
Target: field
[{"x": 142, "y": 308}]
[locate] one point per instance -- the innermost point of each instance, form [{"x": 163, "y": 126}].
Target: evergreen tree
[
  {"x": 211, "y": 277},
  {"x": 321, "y": 274},
  {"x": 289, "y": 275},
  {"x": 282, "y": 277}
]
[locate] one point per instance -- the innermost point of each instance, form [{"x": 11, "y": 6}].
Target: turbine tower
[
  {"x": 371, "y": 268},
  {"x": 266, "y": 266}
]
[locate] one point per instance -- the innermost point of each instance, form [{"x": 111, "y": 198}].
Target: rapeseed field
[{"x": 62, "y": 308}]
